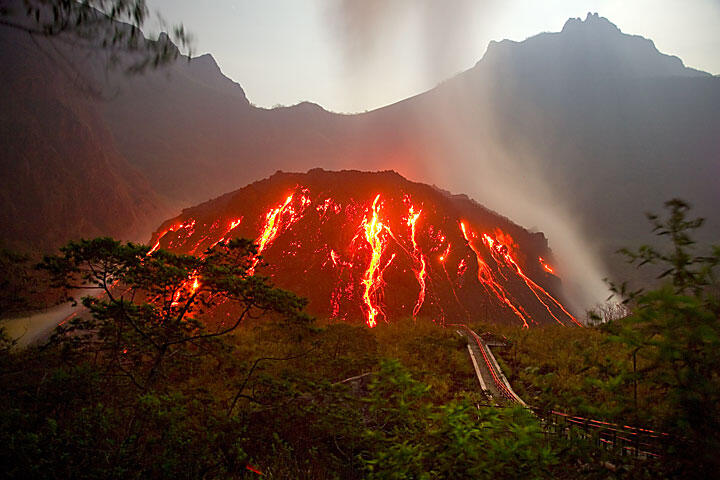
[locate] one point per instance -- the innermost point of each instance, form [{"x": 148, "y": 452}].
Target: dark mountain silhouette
[
  {"x": 594, "y": 47},
  {"x": 375, "y": 246},
  {"x": 591, "y": 125},
  {"x": 62, "y": 176}
]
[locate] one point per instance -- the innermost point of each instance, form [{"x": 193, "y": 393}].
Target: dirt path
[{"x": 32, "y": 329}]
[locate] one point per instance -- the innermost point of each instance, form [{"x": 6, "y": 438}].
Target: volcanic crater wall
[{"x": 373, "y": 246}]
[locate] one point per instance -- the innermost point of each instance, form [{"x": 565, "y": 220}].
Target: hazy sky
[{"x": 355, "y": 55}]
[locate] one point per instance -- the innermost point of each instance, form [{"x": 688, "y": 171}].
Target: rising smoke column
[{"x": 432, "y": 37}]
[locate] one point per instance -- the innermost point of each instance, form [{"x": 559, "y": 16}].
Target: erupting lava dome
[{"x": 373, "y": 247}]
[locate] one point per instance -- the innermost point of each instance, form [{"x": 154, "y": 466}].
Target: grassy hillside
[{"x": 314, "y": 402}]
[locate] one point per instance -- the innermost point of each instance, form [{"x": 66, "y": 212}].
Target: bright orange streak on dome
[
  {"x": 421, "y": 273},
  {"x": 507, "y": 240},
  {"x": 231, "y": 227},
  {"x": 192, "y": 288},
  {"x": 234, "y": 224},
  {"x": 372, "y": 280},
  {"x": 498, "y": 249},
  {"x": 273, "y": 224},
  {"x": 547, "y": 267},
  {"x": 157, "y": 244},
  {"x": 485, "y": 277},
  {"x": 445, "y": 254},
  {"x": 174, "y": 228}
]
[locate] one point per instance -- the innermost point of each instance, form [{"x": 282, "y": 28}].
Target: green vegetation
[
  {"x": 187, "y": 367},
  {"x": 658, "y": 367},
  {"x": 23, "y": 289},
  {"x": 146, "y": 384}
]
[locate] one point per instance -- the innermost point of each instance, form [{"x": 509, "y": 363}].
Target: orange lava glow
[
  {"x": 500, "y": 252},
  {"x": 421, "y": 272},
  {"x": 360, "y": 243},
  {"x": 506, "y": 240},
  {"x": 545, "y": 266},
  {"x": 231, "y": 227},
  {"x": 191, "y": 285},
  {"x": 189, "y": 225},
  {"x": 234, "y": 224},
  {"x": 445, "y": 254},
  {"x": 372, "y": 280},
  {"x": 276, "y": 220},
  {"x": 486, "y": 278}
]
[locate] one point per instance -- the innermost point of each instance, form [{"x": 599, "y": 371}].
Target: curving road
[{"x": 36, "y": 328}]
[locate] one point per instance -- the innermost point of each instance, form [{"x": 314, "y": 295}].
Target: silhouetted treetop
[{"x": 111, "y": 25}]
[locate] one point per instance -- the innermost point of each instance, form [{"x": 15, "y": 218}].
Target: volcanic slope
[{"x": 375, "y": 246}]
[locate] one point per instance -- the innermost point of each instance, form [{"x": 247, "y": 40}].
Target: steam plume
[{"x": 442, "y": 30}]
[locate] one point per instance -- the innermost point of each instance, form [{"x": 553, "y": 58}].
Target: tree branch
[{"x": 252, "y": 370}]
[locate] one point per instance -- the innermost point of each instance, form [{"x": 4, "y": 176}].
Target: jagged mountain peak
[
  {"x": 164, "y": 39},
  {"x": 594, "y": 46},
  {"x": 205, "y": 70},
  {"x": 592, "y": 21}
]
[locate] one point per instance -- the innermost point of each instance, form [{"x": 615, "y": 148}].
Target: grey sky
[{"x": 286, "y": 51}]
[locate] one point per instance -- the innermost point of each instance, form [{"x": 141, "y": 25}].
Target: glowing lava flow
[
  {"x": 443, "y": 258},
  {"x": 445, "y": 253},
  {"x": 193, "y": 287},
  {"x": 231, "y": 227},
  {"x": 485, "y": 277},
  {"x": 421, "y": 273},
  {"x": 277, "y": 219},
  {"x": 499, "y": 250},
  {"x": 372, "y": 280},
  {"x": 190, "y": 224},
  {"x": 545, "y": 266}
]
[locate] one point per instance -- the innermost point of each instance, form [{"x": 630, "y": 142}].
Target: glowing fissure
[
  {"x": 501, "y": 254},
  {"x": 191, "y": 285},
  {"x": 334, "y": 257},
  {"x": 277, "y": 220},
  {"x": 500, "y": 251},
  {"x": 485, "y": 277},
  {"x": 446, "y": 252},
  {"x": 545, "y": 266},
  {"x": 231, "y": 227},
  {"x": 462, "y": 268},
  {"x": 420, "y": 273},
  {"x": 192, "y": 280},
  {"x": 189, "y": 225},
  {"x": 373, "y": 229},
  {"x": 443, "y": 258}
]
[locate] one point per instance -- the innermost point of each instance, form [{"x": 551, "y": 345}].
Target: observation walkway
[{"x": 622, "y": 439}]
